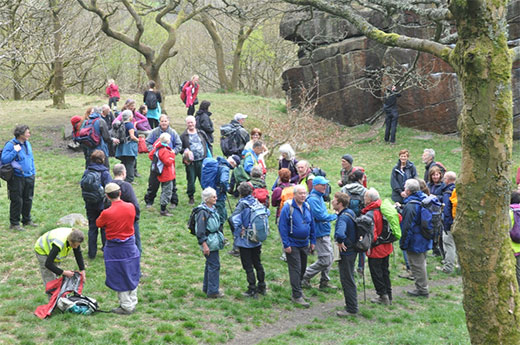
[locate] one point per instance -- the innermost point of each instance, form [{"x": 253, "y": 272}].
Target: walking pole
[{"x": 364, "y": 287}]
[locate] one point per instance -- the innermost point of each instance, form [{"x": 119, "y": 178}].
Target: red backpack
[
  {"x": 88, "y": 134},
  {"x": 262, "y": 195}
]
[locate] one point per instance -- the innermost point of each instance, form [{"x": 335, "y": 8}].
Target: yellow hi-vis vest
[{"x": 58, "y": 237}]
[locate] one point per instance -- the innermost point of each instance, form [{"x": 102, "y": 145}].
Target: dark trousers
[
  {"x": 113, "y": 101},
  {"x": 193, "y": 172},
  {"x": 346, "y": 275},
  {"x": 297, "y": 264},
  {"x": 153, "y": 123},
  {"x": 191, "y": 109},
  {"x": 21, "y": 192},
  {"x": 153, "y": 187},
  {"x": 381, "y": 275},
  {"x": 93, "y": 213},
  {"x": 129, "y": 163},
  {"x": 137, "y": 235},
  {"x": 210, "y": 285},
  {"x": 250, "y": 257},
  {"x": 391, "y": 124}
]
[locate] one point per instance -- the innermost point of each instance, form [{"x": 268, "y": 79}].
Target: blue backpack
[
  {"x": 357, "y": 203},
  {"x": 258, "y": 228},
  {"x": 209, "y": 173},
  {"x": 430, "y": 216}
]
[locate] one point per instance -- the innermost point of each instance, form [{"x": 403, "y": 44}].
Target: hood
[
  {"x": 223, "y": 161},
  {"x": 371, "y": 206},
  {"x": 97, "y": 167},
  {"x": 355, "y": 188},
  {"x": 200, "y": 112},
  {"x": 419, "y": 196}
]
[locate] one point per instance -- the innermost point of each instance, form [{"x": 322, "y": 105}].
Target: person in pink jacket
[
  {"x": 189, "y": 93},
  {"x": 112, "y": 92},
  {"x": 139, "y": 120}
]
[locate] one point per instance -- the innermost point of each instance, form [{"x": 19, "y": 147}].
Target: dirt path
[{"x": 289, "y": 320}]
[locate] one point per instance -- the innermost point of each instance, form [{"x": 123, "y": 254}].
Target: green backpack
[
  {"x": 390, "y": 213},
  {"x": 240, "y": 175}
]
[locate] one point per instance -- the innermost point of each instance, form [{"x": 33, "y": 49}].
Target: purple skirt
[{"x": 122, "y": 264}]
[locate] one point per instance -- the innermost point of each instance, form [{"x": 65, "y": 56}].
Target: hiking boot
[
  {"x": 16, "y": 227},
  {"x": 262, "y": 291},
  {"x": 216, "y": 295},
  {"x": 191, "y": 201},
  {"x": 165, "y": 213},
  {"x": 407, "y": 275},
  {"x": 249, "y": 293},
  {"x": 444, "y": 270},
  {"x": 327, "y": 285},
  {"x": 149, "y": 205},
  {"x": 173, "y": 206},
  {"x": 136, "y": 174},
  {"x": 306, "y": 284},
  {"x": 383, "y": 299},
  {"x": 30, "y": 223},
  {"x": 234, "y": 252},
  {"x": 301, "y": 301},
  {"x": 416, "y": 293},
  {"x": 344, "y": 313},
  {"x": 122, "y": 311}
]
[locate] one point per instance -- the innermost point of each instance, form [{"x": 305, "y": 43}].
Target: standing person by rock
[
  {"x": 18, "y": 152},
  {"x": 390, "y": 108},
  {"x": 122, "y": 258}
]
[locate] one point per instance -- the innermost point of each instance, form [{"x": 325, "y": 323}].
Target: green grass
[{"x": 172, "y": 308}]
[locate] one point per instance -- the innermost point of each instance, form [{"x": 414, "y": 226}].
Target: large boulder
[{"x": 335, "y": 60}]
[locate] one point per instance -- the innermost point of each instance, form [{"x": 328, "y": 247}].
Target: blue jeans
[{"x": 210, "y": 284}]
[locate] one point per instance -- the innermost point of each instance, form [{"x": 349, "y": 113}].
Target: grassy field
[{"x": 172, "y": 307}]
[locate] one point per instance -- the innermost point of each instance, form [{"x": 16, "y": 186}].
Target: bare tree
[
  {"x": 482, "y": 60},
  {"x": 169, "y": 15}
]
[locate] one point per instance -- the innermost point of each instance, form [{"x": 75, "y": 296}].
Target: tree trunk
[
  {"x": 17, "y": 95},
  {"x": 153, "y": 74},
  {"x": 218, "y": 45},
  {"x": 483, "y": 63},
  {"x": 58, "y": 92}
]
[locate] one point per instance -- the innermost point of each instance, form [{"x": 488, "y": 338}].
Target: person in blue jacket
[
  {"x": 296, "y": 227},
  {"x": 249, "y": 251},
  {"x": 415, "y": 244},
  {"x": 251, "y": 156},
  {"x": 18, "y": 152},
  {"x": 322, "y": 221},
  {"x": 345, "y": 237}
]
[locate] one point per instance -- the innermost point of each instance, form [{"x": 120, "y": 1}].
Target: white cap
[{"x": 239, "y": 116}]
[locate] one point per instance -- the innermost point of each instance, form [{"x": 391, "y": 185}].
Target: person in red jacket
[
  {"x": 166, "y": 169},
  {"x": 189, "y": 93},
  {"x": 378, "y": 256},
  {"x": 112, "y": 92}
]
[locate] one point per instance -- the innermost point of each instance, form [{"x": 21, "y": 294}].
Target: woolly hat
[{"x": 348, "y": 158}]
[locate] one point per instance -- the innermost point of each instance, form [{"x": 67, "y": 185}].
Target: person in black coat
[
  {"x": 403, "y": 170},
  {"x": 203, "y": 119},
  {"x": 390, "y": 108}
]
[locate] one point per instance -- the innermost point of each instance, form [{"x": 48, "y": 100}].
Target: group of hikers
[{"x": 419, "y": 218}]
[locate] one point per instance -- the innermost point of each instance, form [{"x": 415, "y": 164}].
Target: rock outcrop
[{"x": 336, "y": 59}]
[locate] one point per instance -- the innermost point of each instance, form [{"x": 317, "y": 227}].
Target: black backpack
[
  {"x": 151, "y": 100},
  {"x": 193, "y": 219},
  {"x": 78, "y": 304},
  {"x": 119, "y": 132},
  {"x": 320, "y": 172},
  {"x": 386, "y": 236},
  {"x": 91, "y": 187},
  {"x": 6, "y": 170},
  {"x": 157, "y": 164},
  {"x": 364, "y": 233},
  {"x": 229, "y": 140}
]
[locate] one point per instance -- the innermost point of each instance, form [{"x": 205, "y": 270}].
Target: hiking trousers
[
  {"x": 324, "y": 262},
  {"x": 250, "y": 258},
  {"x": 381, "y": 275},
  {"x": 450, "y": 251},
  {"x": 418, "y": 267},
  {"x": 21, "y": 192},
  {"x": 153, "y": 187},
  {"x": 391, "y": 124},
  {"x": 193, "y": 171},
  {"x": 348, "y": 283},
  {"x": 297, "y": 262}
]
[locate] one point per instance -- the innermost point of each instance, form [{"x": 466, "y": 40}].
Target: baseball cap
[
  {"x": 111, "y": 187},
  {"x": 319, "y": 180}
]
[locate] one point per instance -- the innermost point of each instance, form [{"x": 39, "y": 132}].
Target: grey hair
[
  {"x": 105, "y": 106},
  {"x": 190, "y": 117},
  {"x": 372, "y": 194},
  {"x": 119, "y": 169},
  {"x": 126, "y": 115},
  {"x": 450, "y": 176},
  {"x": 303, "y": 162},
  {"x": 208, "y": 193},
  {"x": 430, "y": 152},
  {"x": 298, "y": 187},
  {"x": 412, "y": 185},
  {"x": 287, "y": 149},
  {"x": 165, "y": 138},
  {"x": 76, "y": 236},
  {"x": 256, "y": 171},
  {"x": 164, "y": 115},
  {"x": 97, "y": 110}
]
